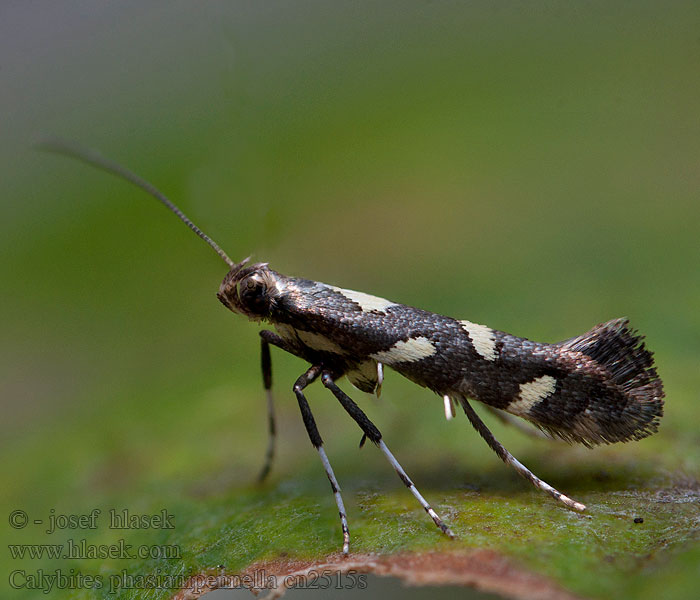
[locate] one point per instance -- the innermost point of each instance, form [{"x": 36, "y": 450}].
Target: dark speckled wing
[{"x": 597, "y": 388}]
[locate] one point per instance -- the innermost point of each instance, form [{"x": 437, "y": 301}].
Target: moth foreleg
[
  {"x": 374, "y": 435},
  {"x": 266, "y": 364},
  {"x": 269, "y": 338},
  {"x": 315, "y": 437},
  {"x": 509, "y": 459},
  {"x": 275, "y": 340}
]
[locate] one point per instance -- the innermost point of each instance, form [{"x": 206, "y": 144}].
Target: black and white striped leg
[
  {"x": 374, "y": 435},
  {"x": 266, "y": 365},
  {"x": 315, "y": 437},
  {"x": 509, "y": 459}
]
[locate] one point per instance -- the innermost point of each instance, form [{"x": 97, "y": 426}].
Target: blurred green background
[{"x": 534, "y": 167}]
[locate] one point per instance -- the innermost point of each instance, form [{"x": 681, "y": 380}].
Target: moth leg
[
  {"x": 508, "y": 419},
  {"x": 267, "y": 338},
  {"x": 272, "y": 338},
  {"x": 310, "y": 424},
  {"x": 374, "y": 435},
  {"x": 509, "y": 459},
  {"x": 266, "y": 365}
]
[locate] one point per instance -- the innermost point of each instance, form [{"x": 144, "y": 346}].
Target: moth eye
[{"x": 253, "y": 296}]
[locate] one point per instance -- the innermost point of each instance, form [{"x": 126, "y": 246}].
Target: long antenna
[{"x": 94, "y": 158}]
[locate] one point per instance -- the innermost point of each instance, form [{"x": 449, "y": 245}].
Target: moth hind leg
[
  {"x": 509, "y": 459},
  {"x": 522, "y": 426}
]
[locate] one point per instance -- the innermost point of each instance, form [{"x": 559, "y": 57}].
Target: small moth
[{"x": 597, "y": 388}]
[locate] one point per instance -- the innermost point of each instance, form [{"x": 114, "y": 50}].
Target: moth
[{"x": 597, "y": 388}]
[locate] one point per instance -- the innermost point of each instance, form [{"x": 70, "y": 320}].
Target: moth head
[{"x": 250, "y": 291}]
